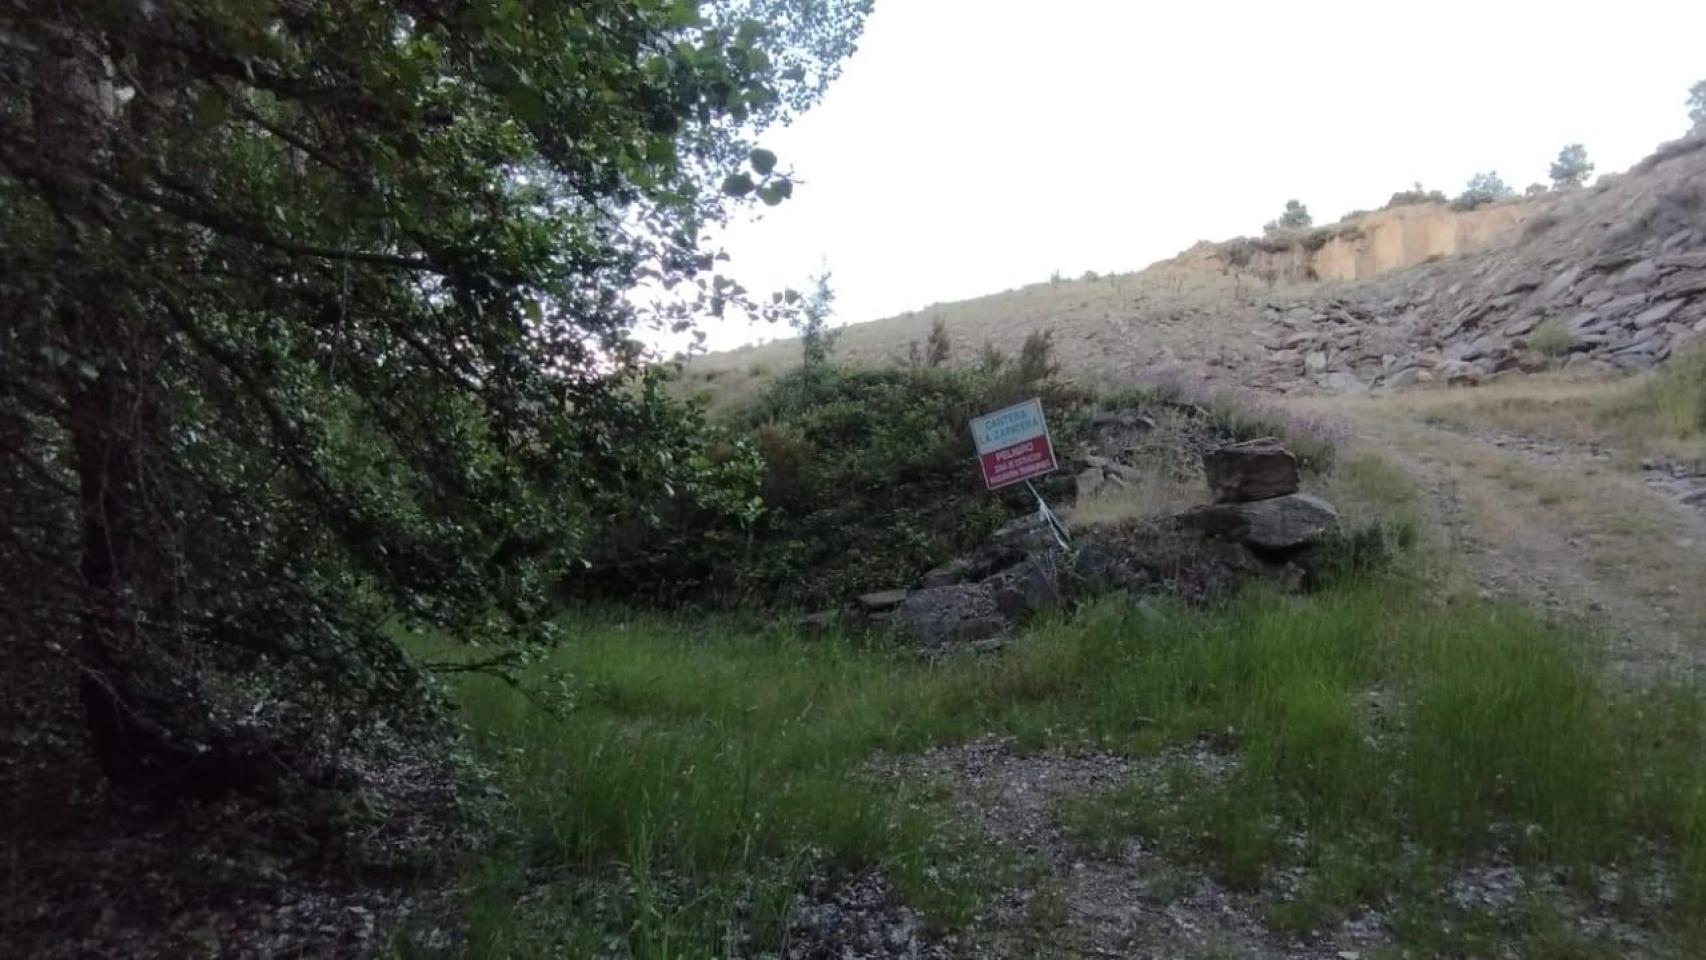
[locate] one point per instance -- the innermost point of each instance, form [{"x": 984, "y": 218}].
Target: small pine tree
[
  {"x": 1572, "y": 168},
  {"x": 1295, "y": 217},
  {"x": 1697, "y": 108},
  {"x": 1534, "y": 190},
  {"x": 937, "y": 347},
  {"x": 1036, "y": 357},
  {"x": 1483, "y": 188}
]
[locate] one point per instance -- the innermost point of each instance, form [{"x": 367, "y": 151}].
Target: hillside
[{"x": 1612, "y": 276}]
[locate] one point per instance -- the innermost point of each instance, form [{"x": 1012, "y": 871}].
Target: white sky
[{"x": 972, "y": 146}]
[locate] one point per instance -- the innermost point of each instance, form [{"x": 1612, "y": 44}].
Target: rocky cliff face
[
  {"x": 1612, "y": 277},
  {"x": 1402, "y": 237}
]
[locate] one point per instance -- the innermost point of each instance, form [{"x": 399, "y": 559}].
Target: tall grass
[
  {"x": 1671, "y": 403},
  {"x": 701, "y": 771}
]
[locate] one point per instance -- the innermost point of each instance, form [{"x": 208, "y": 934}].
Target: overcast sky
[{"x": 977, "y": 145}]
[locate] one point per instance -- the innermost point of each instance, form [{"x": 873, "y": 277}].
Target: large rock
[
  {"x": 881, "y": 600},
  {"x": 1032, "y": 587},
  {"x": 1252, "y": 470},
  {"x": 1281, "y": 523},
  {"x": 959, "y": 613}
]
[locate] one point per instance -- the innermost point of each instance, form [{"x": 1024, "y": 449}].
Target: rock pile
[
  {"x": 1257, "y": 503},
  {"x": 1260, "y": 526}
]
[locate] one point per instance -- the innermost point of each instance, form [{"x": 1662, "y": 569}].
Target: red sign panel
[
  {"x": 1017, "y": 463},
  {"x": 1013, "y": 444}
]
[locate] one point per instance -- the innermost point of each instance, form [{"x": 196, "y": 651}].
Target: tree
[
  {"x": 938, "y": 347},
  {"x": 319, "y": 320},
  {"x": 1697, "y": 107},
  {"x": 1572, "y": 168},
  {"x": 1295, "y": 217},
  {"x": 1483, "y": 188},
  {"x": 817, "y": 339}
]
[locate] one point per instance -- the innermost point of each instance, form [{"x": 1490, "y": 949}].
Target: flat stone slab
[
  {"x": 882, "y": 600},
  {"x": 1280, "y": 523}
]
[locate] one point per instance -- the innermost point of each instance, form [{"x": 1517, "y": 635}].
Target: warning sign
[{"x": 1013, "y": 444}]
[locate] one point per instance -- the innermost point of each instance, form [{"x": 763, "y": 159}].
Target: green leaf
[
  {"x": 737, "y": 185},
  {"x": 527, "y": 104},
  {"x": 775, "y": 192},
  {"x": 763, "y": 161}
]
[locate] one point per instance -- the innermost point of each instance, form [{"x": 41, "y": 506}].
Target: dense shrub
[
  {"x": 1483, "y": 189},
  {"x": 1415, "y": 195}
]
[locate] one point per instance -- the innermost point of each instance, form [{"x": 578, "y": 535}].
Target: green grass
[
  {"x": 1553, "y": 338},
  {"x": 1672, "y": 401},
  {"x": 701, "y": 770}
]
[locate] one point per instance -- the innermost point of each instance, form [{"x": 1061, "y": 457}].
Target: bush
[
  {"x": 1413, "y": 196},
  {"x": 1552, "y": 338},
  {"x": 937, "y": 347},
  {"x": 1483, "y": 189}
]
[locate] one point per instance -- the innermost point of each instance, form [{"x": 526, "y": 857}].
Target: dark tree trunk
[
  {"x": 150, "y": 729},
  {"x": 108, "y": 420}
]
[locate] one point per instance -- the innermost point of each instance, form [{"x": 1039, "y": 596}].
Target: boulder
[
  {"x": 1252, "y": 470},
  {"x": 1281, "y": 523},
  {"x": 954, "y": 614},
  {"x": 1031, "y": 587}
]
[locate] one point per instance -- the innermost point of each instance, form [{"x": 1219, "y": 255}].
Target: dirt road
[{"x": 1580, "y": 530}]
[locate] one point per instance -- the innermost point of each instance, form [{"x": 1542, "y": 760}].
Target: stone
[
  {"x": 1252, "y": 470},
  {"x": 1090, "y": 482},
  {"x": 1683, "y": 286},
  {"x": 1657, "y": 313},
  {"x": 1280, "y": 523},
  {"x": 1585, "y": 321},
  {"x": 1522, "y": 325},
  {"x": 1408, "y": 377},
  {"x": 1561, "y": 283},
  {"x": 1683, "y": 261},
  {"x": 1641, "y": 274},
  {"x": 1032, "y": 587},
  {"x": 1344, "y": 382},
  {"x": 1598, "y": 298},
  {"x": 1104, "y": 419},
  {"x": 957, "y": 570},
  {"x": 1623, "y": 305},
  {"x": 1025, "y": 534},
  {"x": 959, "y": 613},
  {"x": 1461, "y": 373},
  {"x": 881, "y": 600},
  {"x": 1315, "y": 361}
]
